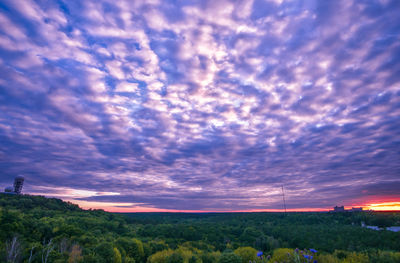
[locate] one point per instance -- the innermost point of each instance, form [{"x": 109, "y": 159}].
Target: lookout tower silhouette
[{"x": 18, "y": 183}]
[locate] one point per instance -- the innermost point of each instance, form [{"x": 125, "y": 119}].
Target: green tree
[
  {"x": 105, "y": 251},
  {"x": 133, "y": 248},
  {"x": 129, "y": 260},
  {"x": 246, "y": 254},
  {"x": 117, "y": 256},
  {"x": 210, "y": 257},
  {"x": 160, "y": 256},
  {"x": 193, "y": 259},
  {"x": 382, "y": 221},
  {"x": 229, "y": 258},
  {"x": 175, "y": 257},
  {"x": 75, "y": 255}
]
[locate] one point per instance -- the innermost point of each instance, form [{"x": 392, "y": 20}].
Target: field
[{"x": 38, "y": 229}]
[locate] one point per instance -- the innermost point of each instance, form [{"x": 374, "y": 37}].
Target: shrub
[
  {"x": 327, "y": 258},
  {"x": 281, "y": 254},
  {"x": 356, "y": 258},
  {"x": 246, "y": 254},
  {"x": 385, "y": 257}
]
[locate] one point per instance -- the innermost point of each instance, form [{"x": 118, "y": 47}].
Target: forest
[{"x": 38, "y": 229}]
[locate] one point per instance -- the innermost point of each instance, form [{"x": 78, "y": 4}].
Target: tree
[
  {"x": 105, "y": 252},
  {"x": 129, "y": 260},
  {"x": 47, "y": 248},
  {"x": 160, "y": 256},
  {"x": 246, "y": 254},
  {"x": 13, "y": 250},
  {"x": 250, "y": 235},
  {"x": 229, "y": 258},
  {"x": 157, "y": 245},
  {"x": 193, "y": 259},
  {"x": 382, "y": 221},
  {"x": 210, "y": 257},
  {"x": 117, "y": 256},
  {"x": 133, "y": 248},
  {"x": 63, "y": 245},
  {"x": 175, "y": 258},
  {"x": 75, "y": 255},
  {"x": 31, "y": 255}
]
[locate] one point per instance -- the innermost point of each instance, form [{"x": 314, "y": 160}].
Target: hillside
[{"x": 39, "y": 229}]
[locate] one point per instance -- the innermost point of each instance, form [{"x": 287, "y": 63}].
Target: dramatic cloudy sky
[{"x": 189, "y": 105}]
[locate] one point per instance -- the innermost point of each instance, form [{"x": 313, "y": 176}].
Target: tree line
[{"x": 38, "y": 229}]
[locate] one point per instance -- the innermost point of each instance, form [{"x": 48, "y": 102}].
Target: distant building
[
  {"x": 18, "y": 183},
  {"x": 341, "y": 209},
  {"x": 338, "y": 209},
  {"x": 9, "y": 190}
]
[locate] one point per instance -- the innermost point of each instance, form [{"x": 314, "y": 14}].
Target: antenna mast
[{"x": 284, "y": 202}]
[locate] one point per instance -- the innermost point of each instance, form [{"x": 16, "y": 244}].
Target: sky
[{"x": 192, "y": 105}]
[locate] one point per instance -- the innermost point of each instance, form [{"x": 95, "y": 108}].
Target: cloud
[{"x": 201, "y": 105}]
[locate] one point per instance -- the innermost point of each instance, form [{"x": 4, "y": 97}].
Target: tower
[{"x": 18, "y": 183}]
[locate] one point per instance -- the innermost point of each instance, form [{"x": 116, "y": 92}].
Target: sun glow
[{"x": 387, "y": 206}]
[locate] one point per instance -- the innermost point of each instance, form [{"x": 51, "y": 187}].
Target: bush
[
  {"x": 327, "y": 258},
  {"x": 356, "y": 258},
  {"x": 281, "y": 254},
  {"x": 246, "y": 254},
  {"x": 385, "y": 257}
]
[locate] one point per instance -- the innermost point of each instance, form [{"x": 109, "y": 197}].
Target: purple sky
[{"x": 201, "y": 105}]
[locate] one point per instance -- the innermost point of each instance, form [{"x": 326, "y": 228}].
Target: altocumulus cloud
[{"x": 202, "y": 105}]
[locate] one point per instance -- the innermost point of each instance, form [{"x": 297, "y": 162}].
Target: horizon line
[{"x": 393, "y": 206}]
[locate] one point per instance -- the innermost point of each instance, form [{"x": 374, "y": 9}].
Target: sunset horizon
[
  {"x": 125, "y": 208},
  {"x": 202, "y": 106}
]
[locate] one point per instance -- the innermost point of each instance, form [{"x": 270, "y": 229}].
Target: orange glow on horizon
[
  {"x": 387, "y": 206},
  {"x": 150, "y": 209},
  {"x": 109, "y": 207},
  {"x": 116, "y": 207}
]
